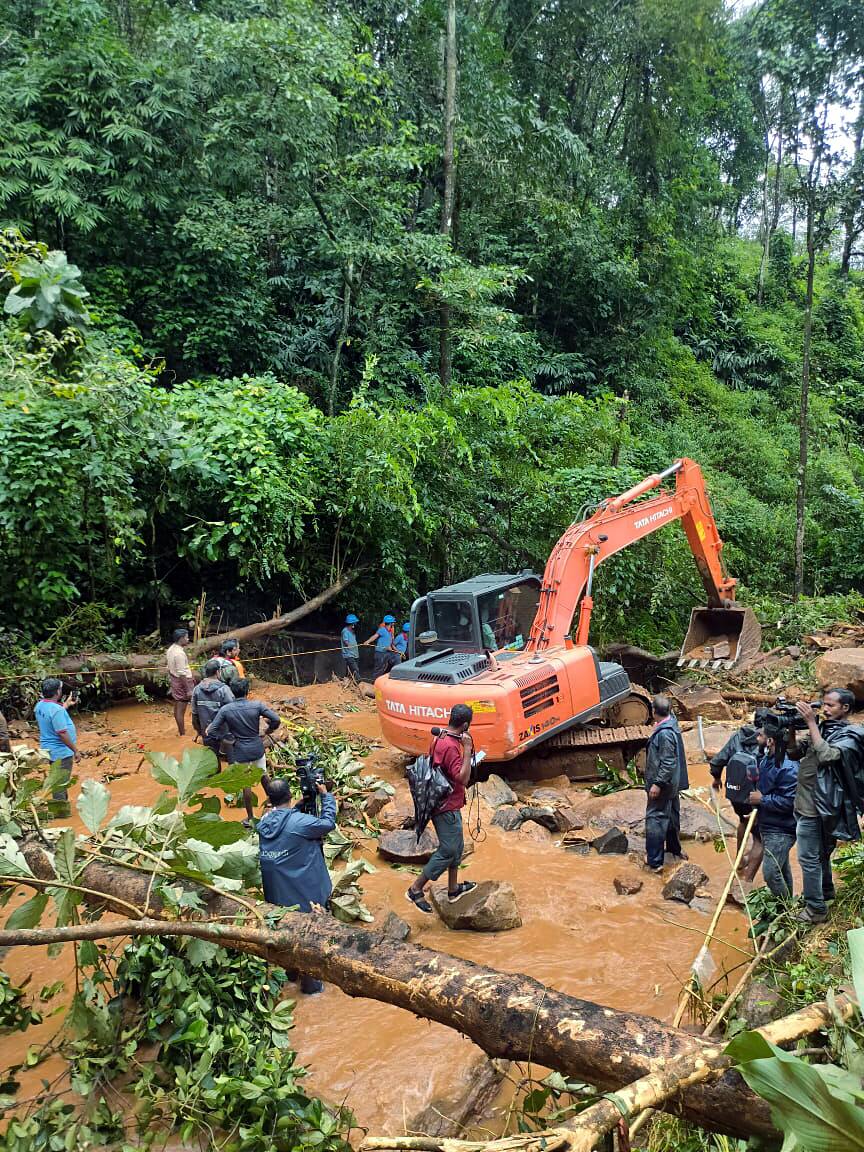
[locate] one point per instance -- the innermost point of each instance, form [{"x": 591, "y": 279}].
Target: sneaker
[
  {"x": 460, "y": 890},
  {"x": 419, "y": 901},
  {"x": 658, "y": 871},
  {"x": 679, "y": 856},
  {"x": 808, "y": 916}
]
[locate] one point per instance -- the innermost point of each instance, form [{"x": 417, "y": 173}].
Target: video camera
[
  {"x": 785, "y": 715},
  {"x": 309, "y": 776}
]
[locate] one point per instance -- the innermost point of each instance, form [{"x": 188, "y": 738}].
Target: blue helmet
[
  {"x": 352, "y": 619},
  {"x": 406, "y": 627},
  {"x": 388, "y": 619}
]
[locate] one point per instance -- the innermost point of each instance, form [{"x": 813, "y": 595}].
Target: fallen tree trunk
[
  {"x": 508, "y": 1015},
  {"x": 252, "y": 632}
]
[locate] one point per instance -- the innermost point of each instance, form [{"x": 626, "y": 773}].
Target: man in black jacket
[
  {"x": 749, "y": 739},
  {"x": 239, "y": 724},
  {"x": 665, "y": 776}
]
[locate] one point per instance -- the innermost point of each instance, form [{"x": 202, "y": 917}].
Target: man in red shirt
[{"x": 451, "y": 752}]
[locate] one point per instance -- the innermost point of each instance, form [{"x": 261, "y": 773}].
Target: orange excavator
[{"x": 503, "y": 644}]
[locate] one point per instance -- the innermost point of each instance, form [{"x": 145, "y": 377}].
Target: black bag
[
  {"x": 836, "y": 799},
  {"x": 429, "y": 787},
  {"x": 742, "y": 777}
]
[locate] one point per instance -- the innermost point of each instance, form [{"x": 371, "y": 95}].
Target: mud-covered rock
[
  {"x": 399, "y": 813},
  {"x": 403, "y": 847},
  {"x": 545, "y": 817},
  {"x": 496, "y": 792},
  {"x": 700, "y": 700},
  {"x": 626, "y": 809},
  {"x": 683, "y": 882},
  {"x": 841, "y": 668},
  {"x": 507, "y": 817},
  {"x": 568, "y": 819},
  {"x": 489, "y": 907},
  {"x": 612, "y": 841},
  {"x": 549, "y": 798},
  {"x": 628, "y": 885},
  {"x": 379, "y": 799},
  {"x": 395, "y": 928},
  {"x": 714, "y": 736},
  {"x": 761, "y": 1004},
  {"x": 536, "y": 833}
]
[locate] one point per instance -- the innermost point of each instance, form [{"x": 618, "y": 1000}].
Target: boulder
[
  {"x": 627, "y": 885},
  {"x": 683, "y": 882},
  {"x": 404, "y": 848},
  {"x": 545, "y": 817},
  {"x": 761, "y": 1004},
  {"x": 507, "y": 817},
  {"x": 577, "y": 842},
  {"x": 397, "y": 814},
  {"x": 626, "y": 809},
  {"x": 395, "y": 928},
  {"x": 549, "y": 798},
  {"x": 700, "y": 700},
  {"x": 841, "y": 668},
  {"x": 714, "y": 735},
  {"x": 528, "y": 830},
  {"x": 567, "y": 819},
  {"x": 379, "y": 799},
  {"x": 490, "y": 907},
  {"x": 611, "y": 841},
  {"x": 496, "y": 792}
]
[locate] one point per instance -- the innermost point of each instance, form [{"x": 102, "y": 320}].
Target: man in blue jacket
[
  {"x": 775, "y": 802},
  {"x": 293, "y": 870}
]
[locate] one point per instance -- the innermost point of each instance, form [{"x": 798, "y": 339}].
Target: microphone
[{"x": 437, "y": 731}]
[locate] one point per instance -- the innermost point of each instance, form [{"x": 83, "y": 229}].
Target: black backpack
[
  {"x": 742, "y": 776},
  {"x": 429, "y": 787}
]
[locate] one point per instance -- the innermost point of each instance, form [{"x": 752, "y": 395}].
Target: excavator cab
[
  {"x": 494, "y": 611},
  {"x": 720, "y": 637}
]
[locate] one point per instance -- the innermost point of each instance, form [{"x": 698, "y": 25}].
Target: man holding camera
[
  {"x": 451, "y": 752},
  {"x": 817, "y": 749},
  {"x": 293, "y": 870}
]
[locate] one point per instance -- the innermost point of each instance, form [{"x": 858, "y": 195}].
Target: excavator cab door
[{"x": 720, "y": 638}]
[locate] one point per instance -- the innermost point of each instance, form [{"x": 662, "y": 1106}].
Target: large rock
[
  {"x": 549, "y": 798},
  {"x": 700, "y": 700},
  {"x": 536, "y": 833},
  {"x": 613, "y": 841},
  {"x": 627, "y": 885},
  {"x": 490, "y": 907},
  {"x": 545, "y": 817},
  {"x": 761, "y": 1004},
  {"x": 841, "y": 668},
  {"x": 496, "y": 792},
  {"x": 626, "y": 809},
  {"x": 578, "y": 843},
  {"x": 507, "y": 817},
  {"x": 404, "y": 848},
  {"x": 714, "y": 735},
  {"x": 379, "y": 799},
  {"x": 682, "y": 884},
  {"x": 464, "y": 1105},
  {"x": 568, "y": 819}
]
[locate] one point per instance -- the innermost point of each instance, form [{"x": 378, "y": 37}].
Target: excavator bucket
[{"x": 720, "y": 638}]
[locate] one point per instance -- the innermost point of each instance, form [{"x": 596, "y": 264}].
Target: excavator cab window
[
  {"x": 454, "y": 621},
  {"x": 506, "y": 615}
]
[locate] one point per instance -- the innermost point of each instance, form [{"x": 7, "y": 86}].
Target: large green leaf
[
  {"x": 802, "y": 1102},
  {"x": 855, "y": 936},
  {"x": 12, "y": 863},
  {"x": 93, "y": 804},
  {"x": 64, "y": 857},
  {"x": 28, "y": 914},
  {"x": 237, "y": 777},
  {"x": 192, "y": 771},
  {"x": 213, "y": 830}
]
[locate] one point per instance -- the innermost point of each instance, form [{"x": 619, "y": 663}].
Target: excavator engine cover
[{"x": 720, "y": 637}]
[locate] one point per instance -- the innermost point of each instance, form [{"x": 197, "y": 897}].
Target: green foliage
[
  {"x": 15, "y": 1014},
  {"x": 48, "y": 293}
]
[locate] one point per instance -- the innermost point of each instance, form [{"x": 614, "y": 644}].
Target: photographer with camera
[
  {"x": 774, "y": 800},
  {"x": 452, "y": 752},
  {"x": 816, "y": 750},
  {"x": 293, "y": 869}
]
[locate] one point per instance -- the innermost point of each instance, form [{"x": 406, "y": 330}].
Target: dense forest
[{"x": 293, "y": 288}]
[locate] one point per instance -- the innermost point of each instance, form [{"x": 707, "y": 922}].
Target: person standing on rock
[
  {"x": 180, "y": 676},
  {"x": 816, "y": 749},
  {"x": 451, "y": 751},
  {"x": 293, "y": 869},
  {"x": 665, "y": 777},
  {"x": 774, "y": 800},
  {"x": 350, "y": 648}
]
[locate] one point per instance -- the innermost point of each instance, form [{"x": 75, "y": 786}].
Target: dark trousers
[
  {"x": 67, "y": 764},
  {"x": 775, "y": 863},
  {"x": 352, "y": 667},
  {"x": 381, "y": 664},
  {"x": 451, "y": 845},
  {"x": 662, "y": 823},
  {"x": 814, "y": 856}
]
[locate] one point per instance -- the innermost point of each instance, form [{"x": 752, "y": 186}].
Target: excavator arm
[{"x": 617, "y": 522}]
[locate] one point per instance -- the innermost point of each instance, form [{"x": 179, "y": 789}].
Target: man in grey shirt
[{"x": 813, "y": 750}]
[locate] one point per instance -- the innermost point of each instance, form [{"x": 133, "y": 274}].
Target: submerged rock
[
  {"x": 490, "y": 907},
  {"x": 612, "y": 841},
  {"x": 545, "y": 817},
  {"x": 628, "y": 885},
  {"x": 395, "y": 928},
  {"x": 682, "y": 884}
]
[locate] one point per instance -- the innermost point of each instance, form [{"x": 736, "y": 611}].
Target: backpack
[
  {"x": 429, "y": 786},
  {"x": 742, "y": 776}
]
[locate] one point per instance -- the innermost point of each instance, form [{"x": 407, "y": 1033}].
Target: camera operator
[
  {"x": 817, "y": 748},
  {"x": 451, "y": 752},
  {"x": 293, "y": 869}
]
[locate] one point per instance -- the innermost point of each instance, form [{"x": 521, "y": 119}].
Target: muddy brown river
[{"x": 630, "y": 952}]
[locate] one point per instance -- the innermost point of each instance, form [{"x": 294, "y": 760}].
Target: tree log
[
  {"x": 258, "y": 631},
  {"x": 511, "y": 1016}
]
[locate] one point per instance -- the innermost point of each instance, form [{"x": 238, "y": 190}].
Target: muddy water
[{"x": 578, "y": 935}]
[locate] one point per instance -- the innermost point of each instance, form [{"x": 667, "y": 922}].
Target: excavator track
[{"x": 575, "y": 753}]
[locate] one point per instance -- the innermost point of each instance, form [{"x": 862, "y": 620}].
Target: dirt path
[{"x": 577, "y": 935}]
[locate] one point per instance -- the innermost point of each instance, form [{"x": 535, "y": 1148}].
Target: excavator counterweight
[{"x": 506, "y": 644}]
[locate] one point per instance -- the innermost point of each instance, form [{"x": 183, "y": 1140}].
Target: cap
[
  {"x": 352, "y": 619},
  {"x": 388, "y": 619},
  {"x": 406, "y": 627}
]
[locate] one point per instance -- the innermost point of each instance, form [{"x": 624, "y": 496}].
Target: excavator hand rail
[{"x": 615, "y": 525}]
